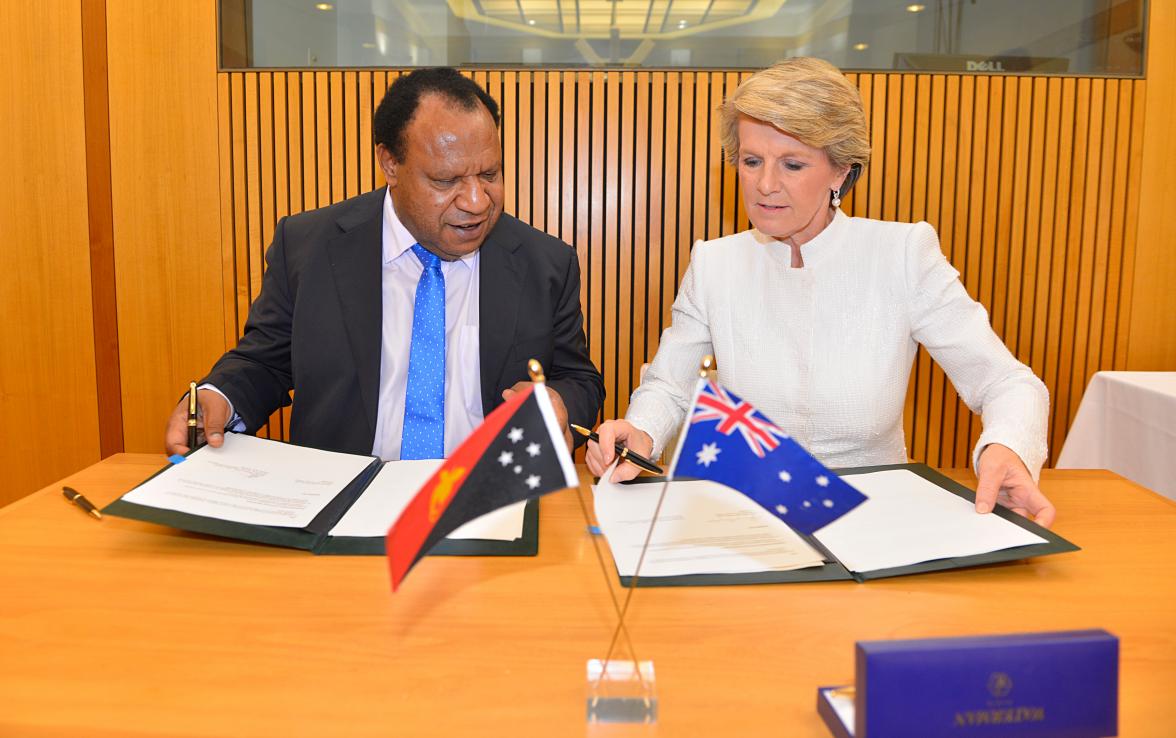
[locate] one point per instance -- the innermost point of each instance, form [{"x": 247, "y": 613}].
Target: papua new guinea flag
[{"x": 518, "y": 452}]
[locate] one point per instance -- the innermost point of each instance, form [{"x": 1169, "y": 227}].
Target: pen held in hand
[
  {"x": 76, "y": 498},
  {"x": 192, "y": 416},
  {"x": 633, "y": 458}
]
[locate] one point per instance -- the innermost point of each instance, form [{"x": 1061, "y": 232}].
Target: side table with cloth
[{"x": 1127, "y": 423}]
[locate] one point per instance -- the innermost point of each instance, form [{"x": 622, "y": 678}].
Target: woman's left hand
[{"x": 1004, "y": 479}]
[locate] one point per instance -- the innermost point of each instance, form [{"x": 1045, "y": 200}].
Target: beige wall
[
  {"x": 179, "y": 138},
  {"x": 1152, "y": 344},
  {"x": 48, "y": 410},
  {"x": 164, "y": 183}
]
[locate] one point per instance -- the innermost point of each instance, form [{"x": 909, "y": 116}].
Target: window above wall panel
[{"x": 1078, "y": 37}]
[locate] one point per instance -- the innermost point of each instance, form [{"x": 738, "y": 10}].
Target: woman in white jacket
[{"x": 815, "y": 317}]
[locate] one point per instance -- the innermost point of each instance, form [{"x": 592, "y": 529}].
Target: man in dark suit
[{"x": 400, "y": 317}]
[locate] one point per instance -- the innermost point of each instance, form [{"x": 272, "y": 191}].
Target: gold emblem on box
[{"x": 999, "y": 710}]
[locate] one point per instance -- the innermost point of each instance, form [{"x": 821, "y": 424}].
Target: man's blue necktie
[{"x": 424, "y": 399}]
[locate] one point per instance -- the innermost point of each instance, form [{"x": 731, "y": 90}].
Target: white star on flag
[
  {"x": 781, "y": 509},
  {"x": 533, "y": 449},
  {"x": 505, "y": 458},
  {"x": 518, "y": 469},
  {"x": 709, "y": 454},
  {"x": 827, "y": 503},
  {"x": 823, "y": 480},
  {"x": 515, "y": 435},
  {"x": 785, "y": 476},
  {"x": 532, "y": 481}
]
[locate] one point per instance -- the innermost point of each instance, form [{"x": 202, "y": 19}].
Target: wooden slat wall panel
[
  {"x": 1151, "y": 316},
  {"x": 164, "y": 183},
  {"x": 1031, "y": 183},
  {"x": 48, "y": 375}
]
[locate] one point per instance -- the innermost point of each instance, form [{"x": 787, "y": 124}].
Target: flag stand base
[{"x": 623, "y": 694}]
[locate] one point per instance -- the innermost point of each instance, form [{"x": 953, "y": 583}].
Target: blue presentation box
[{"x": 1036, "y": 685}]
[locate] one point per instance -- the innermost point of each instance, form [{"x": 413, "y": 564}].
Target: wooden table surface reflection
[{"x": 124, "y": 628}]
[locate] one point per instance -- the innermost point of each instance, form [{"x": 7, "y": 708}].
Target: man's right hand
[
  {"x": 600, "y": 455},
  {"x": 211, "y": 418}
]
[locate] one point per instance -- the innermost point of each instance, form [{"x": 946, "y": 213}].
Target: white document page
[
  {"x": 702, "y": 528},
  {"x": 843, "y": 707},
  {"x": 909, "y": 520},
  {"x": 393, "y": 488},
  {"x": 252, "y": 480}
]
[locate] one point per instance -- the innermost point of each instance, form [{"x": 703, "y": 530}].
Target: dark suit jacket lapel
[
  {"x": 502, "y": 272},
  {"x": 356, "y": 256}
]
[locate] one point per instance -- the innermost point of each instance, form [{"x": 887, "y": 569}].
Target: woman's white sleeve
[{"x": 1013, "y": 403}]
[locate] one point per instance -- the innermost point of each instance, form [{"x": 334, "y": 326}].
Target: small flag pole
[
  {"x": 706, "y": 366},
  {"x": 535, "y": 369},
  {"x": 613, "y": 596}
]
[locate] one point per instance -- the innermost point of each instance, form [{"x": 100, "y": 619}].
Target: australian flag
[
  {"x": 518, "y": 452},
  {"x": 728, "y": 441}
]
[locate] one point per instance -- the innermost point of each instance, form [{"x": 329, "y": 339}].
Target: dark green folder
[
  {"x": 834, "y": 570},
  {"x": 526, "y": 544},
  {"x": 315, "y": 536}
]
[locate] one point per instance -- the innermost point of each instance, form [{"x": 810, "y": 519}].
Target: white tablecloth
[{"x": 1127, "y": 423}]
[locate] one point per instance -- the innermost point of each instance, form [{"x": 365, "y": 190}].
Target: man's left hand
[
  {"x": 1005, "y": 480},
  {"x": 561, "y": 412}
]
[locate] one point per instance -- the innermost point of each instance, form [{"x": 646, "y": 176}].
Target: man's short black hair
[{"x": 404, "y": 95}]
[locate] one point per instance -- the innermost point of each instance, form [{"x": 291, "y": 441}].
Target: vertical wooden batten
[{"x": 101, "y": 227}]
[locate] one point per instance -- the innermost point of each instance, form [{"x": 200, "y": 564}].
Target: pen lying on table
[
  {"x": 624, "y": 453},
  {"x": 76, "y": 498}
]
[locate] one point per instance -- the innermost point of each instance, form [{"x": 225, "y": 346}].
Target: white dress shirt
[
  {"x": 463, "y": 377},
  {"x": 825, "y": 350}
]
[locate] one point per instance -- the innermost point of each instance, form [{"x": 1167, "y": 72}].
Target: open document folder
[
  {"x": 915, "y": 520},
  {"x": 266, "y": 491}
]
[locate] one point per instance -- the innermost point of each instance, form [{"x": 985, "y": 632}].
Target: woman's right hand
[{"x": 600, "y": 455}]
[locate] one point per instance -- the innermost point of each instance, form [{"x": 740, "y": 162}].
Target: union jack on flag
[
  {"x": 715, "y": 403},
  {"x": 765, "y": 463}
]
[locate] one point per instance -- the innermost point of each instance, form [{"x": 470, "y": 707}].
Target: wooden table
[{"x": 118, "y": 627}]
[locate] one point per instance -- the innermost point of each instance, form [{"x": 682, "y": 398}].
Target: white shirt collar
[
  {"x": 816, "y": 248},
  {"x": 397, "y": 239}
]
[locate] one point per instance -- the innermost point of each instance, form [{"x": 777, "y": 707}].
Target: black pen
[
  {"x": 191, "y": 416},
  {"x": 76, "y": 498},
  {"x": 633, "y": 458}
]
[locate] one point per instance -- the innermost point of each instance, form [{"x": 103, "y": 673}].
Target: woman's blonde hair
[{"x": 807, "y": 98}]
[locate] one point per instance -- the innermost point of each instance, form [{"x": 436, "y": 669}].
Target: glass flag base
[{"x": 627, "y": 693}]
